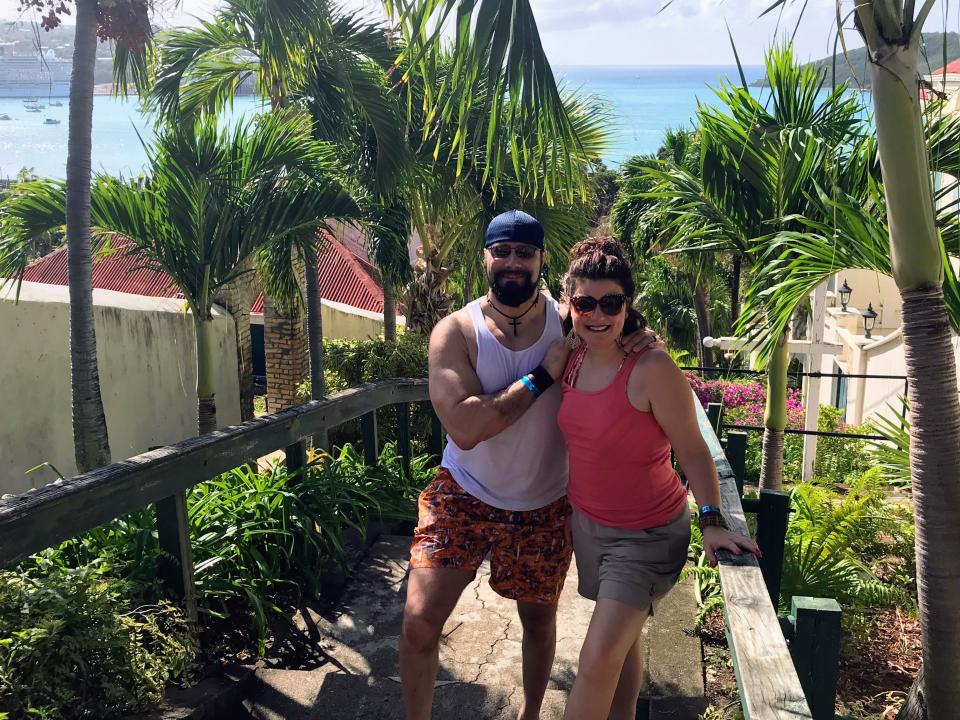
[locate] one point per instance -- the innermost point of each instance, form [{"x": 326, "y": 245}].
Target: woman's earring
[{"x": 572, "y": 340}]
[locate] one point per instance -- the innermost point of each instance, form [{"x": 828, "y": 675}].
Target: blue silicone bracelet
[
  {"x": 528, "y": 384},
  {"x": 707, "y": 509}
]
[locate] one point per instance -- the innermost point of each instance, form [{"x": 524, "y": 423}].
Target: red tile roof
[
  {"x": 118, "y": 271},
  {"x": 951, "y": 68},
  {"x": 346, "y": 276}
]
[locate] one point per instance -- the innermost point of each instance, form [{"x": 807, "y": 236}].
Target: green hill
[{"x": 931, "y": 58}]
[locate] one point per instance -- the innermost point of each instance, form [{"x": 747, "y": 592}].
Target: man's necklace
[{"x": 515, "y": 319}]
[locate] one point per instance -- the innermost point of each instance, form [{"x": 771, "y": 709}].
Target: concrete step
[
  {"x": 309, "y": 695},
  {"x": 675, "y": 708},
  {"x": 344, "y": 664},
  {"x": 675, "y": 659}
]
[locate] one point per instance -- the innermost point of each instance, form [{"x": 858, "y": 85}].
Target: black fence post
[
  {"x": 368, "y": 429},
  {"x": 772, "y": 516},
  {"x": 175, "y": 566},
  {"x": 296, "y": 456},
  {"x": 815, "y": 648},
  {"x": 714, "y": 414},
  {"x": 736, "y": 452},
  {"x": 403, "y": 436},
  {"x": 436, "y": 435}
]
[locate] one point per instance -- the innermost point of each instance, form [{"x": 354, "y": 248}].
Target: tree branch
[{"x": 917, "y": 29}]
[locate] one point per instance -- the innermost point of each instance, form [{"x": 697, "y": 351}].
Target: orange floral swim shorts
[{"x": 529, "y": 555}]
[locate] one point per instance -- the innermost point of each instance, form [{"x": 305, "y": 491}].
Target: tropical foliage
[
  {"x": 74, "y": 643},
  {"x": 255, "y": 534}
]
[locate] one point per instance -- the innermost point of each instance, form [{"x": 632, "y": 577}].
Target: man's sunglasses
[
  {"x": 609, "y": 304},
  {"x": 523, "y": 252}
]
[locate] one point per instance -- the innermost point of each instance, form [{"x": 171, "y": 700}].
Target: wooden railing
[
  {"x": 45, "y": 516},
  {"x": 769, "y": 685}
]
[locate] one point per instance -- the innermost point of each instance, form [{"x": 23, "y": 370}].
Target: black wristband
[{"x": 540, "y": 378}]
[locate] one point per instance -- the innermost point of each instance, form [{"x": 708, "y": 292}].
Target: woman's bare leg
[
  {"x": 625, "y": 697},
  {"x": 614, "y": 628}
]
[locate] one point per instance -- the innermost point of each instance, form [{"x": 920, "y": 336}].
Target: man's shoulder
[{"x": 455, "y": 322}]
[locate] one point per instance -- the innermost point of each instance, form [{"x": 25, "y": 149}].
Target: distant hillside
[{"x": 931, "y": 59}]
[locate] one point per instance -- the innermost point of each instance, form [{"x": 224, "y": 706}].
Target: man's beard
[{"x": 513, "y": 293}]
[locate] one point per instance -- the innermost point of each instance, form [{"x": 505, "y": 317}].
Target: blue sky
[{"x": 635, "y": 32}]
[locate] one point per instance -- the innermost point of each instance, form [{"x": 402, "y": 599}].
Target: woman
[{"x": 620, "y": 417}]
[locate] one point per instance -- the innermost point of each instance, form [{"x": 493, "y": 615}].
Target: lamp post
[
  {"x": 869, "y": 318},
  {"x": 845, "y": 291}
]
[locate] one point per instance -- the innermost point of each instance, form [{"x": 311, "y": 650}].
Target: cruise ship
[{"x": 30, "y": 77}]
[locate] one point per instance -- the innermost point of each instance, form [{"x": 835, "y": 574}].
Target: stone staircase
[{"x": 343, "y": 665}]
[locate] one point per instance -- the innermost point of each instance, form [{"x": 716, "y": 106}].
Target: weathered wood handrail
[
  {"x": 43, "y": 517},
  {"x": 767, "y": 680}
]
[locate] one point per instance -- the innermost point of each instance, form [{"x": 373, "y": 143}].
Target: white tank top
[{"x": 525, "y": 466}]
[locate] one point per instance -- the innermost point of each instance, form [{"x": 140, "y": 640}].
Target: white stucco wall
[
  {"x": 345, "y": 322},
  {"x": 147, "y": 362}
]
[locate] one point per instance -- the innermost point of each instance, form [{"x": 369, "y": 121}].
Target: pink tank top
[{"x": 620, "y": 470}]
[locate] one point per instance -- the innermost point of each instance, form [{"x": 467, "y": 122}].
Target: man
[{"x": 495, "y": 368}]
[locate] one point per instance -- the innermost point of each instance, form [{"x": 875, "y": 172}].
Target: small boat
[
  {"x": 55, "y": 103},
  {"x": 4, "y": 116},
  {"x": 31, "y": 101},
  {"x": 51, "y": 121},
  {"x": 33, "y": 109}
]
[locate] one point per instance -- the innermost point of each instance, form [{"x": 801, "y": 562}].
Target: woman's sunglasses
[{"x": 609, "y": 304}]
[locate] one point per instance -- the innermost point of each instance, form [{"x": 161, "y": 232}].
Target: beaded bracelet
[{"x": 712, "y": 519}]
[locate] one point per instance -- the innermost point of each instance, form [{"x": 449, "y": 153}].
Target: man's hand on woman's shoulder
[{"x": 640, "y": 340}]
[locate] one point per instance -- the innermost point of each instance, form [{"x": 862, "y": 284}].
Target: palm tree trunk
[
  {"x": 931, "y": 369},
  {"x": 91, "y": 443},
  {"x": 236, "y": 298},
  {"x": 318, "y": 386},
  {"x": 735, "y": 289},
  {"x": 389, "y": 310},
  {"x": 775, "y": 417},
  {"x": 206, "y": 376},
  {"x": 701, "y": 305}
]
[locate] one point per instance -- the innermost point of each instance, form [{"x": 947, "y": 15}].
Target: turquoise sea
[{"x": 643, "y": 102}]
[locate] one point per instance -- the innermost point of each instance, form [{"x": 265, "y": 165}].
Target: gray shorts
[{"x": 637, "y": 567}]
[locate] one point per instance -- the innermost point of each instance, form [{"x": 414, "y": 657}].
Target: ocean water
[{"x": 642, "y": 102}]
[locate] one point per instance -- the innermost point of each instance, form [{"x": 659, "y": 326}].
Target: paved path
[{"x": 344, "y": 665}]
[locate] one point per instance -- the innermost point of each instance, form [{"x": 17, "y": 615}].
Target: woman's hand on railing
[{"x": 718, "y": 538}]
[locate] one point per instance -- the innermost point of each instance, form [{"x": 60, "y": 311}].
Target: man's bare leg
[
  {"x": 432, "y": 594},
  {"x": 539, "y": 646}
]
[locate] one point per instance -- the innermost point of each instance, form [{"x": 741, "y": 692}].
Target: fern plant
[
  {"x": 820, "y": 552},
  {"x": 892, "y": 455},
  {"x": 706, "y": 580}
]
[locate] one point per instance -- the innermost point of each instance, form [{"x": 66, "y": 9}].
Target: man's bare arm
[{"x": 469, "y": 415}]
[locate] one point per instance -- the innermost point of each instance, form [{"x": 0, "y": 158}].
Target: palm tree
[
  {"x": 309, "y": 54},
  {"x": 210, "y": 200},
  {"x": 644, "y": 223},
  {"x": 127, "y": 24},
  {"x": 759, "y": 165},
  {"x": 892, "y": 30},
  {"x": 455, "y": 192}
]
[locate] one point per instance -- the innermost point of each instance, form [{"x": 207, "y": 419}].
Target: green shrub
[
  {"x": 253, "y": 532},
  {"x": 839, "y": 460},
  {"x": 350, "y": 363},
  {"x": 71, "y": 647}
]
